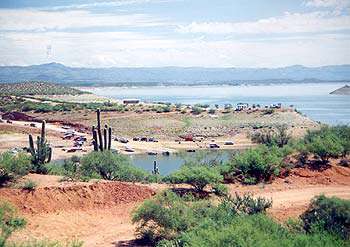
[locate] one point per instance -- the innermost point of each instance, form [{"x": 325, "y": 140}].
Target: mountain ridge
[{"x": 57, "y": 72}]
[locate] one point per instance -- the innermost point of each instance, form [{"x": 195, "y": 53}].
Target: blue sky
[{"x": 147, "y": 33}]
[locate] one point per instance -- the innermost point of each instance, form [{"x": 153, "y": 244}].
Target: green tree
[
  {"x": 197, "y": 176},
  {"x": 326, "y": 147}
]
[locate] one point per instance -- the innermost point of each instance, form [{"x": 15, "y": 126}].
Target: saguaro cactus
[
  {"x": 43, "y": 152},
  {"x": 155, "y": 168},
  {"x": 101, "y": 141}
]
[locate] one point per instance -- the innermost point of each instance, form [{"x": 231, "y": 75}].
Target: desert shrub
[
  {"x": 220, "y": 189},
  {"x": 211, "y": 111},
  {"x": 9, "y": 222},
  {"x": 197, "y": 110},
  {"x": 250, "y": 231},
  {"x": 170, "y": 220},
  {"x": 55, "y": 169},
  {"x": 335, "y": 139},
  {"x": 343, "y": 133},
  {"x": 198, "y": 176},
  {"x": 255, "y": 165},
  {"x": 202, "y": 105},
  {"x": 166, "y": 215},
  {"x": 247, "y": 204},
  {"x": 278, "y": 136},
  {"x": 330, "y": 214},
  {"x": 29, "y": 185},
  {"x": 268, "y": 111},
  {"x": 110, "y": 166},
  {"x": 326, "y": 147},
  {"x": 13, "y": 166}
]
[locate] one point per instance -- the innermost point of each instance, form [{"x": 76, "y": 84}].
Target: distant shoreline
[{"x": 214, "y": 84}]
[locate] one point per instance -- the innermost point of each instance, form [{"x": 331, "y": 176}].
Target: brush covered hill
[
  {"x": 342, "y": 91},
  {"x": 171, "y": 75},
  {"x": 36, "y": 88}
]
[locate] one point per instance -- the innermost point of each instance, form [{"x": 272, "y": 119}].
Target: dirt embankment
[{"x": 79, "y": 196}]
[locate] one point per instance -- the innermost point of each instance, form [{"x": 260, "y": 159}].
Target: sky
[{"x": 186, "y": 33}]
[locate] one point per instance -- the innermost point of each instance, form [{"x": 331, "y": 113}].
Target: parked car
[{"x": 214, "y": 145}]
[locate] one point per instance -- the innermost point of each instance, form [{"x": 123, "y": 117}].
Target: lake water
[
  {"x": 311, "y": 99},
  {"x": 168, "y": 164}
]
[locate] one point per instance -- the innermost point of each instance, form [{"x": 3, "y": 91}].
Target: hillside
[
  {"x": 36, "y": 88},
  {"x": 342, "y": 91},
  {"x": 170, "y": 75}
]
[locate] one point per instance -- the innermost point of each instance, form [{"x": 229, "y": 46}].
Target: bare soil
[{"x": 99, "y": 213}]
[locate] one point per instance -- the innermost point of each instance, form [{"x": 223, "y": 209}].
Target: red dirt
[
  {"x": 75, "y": 196},
  {"x": 18, "y": 116}
]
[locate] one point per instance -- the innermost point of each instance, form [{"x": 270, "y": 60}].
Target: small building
[{"x": 131, "y": 101}]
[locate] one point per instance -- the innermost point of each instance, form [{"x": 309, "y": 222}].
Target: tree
[
  {"x": 197, "y": 176},
  {"x": 326, "y": 147}
]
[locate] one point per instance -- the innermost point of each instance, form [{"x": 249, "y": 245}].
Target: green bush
[
  {"x": 165, "y": 216},
  {"x": 330, "y": 214},
  {"x": 9, "y": 222},
  {"x": 220, "y": 189},
  {"x": 255, "y": 165},
  {"x": 329, "y": 142},
  {"x": 251, "y": 231},
  {"x": 197, "y": 176},
  {"x": 169, "y": 220},
  {"x": 278, "y": 136},
  {"x": 197, "y": 110},
  {"x": 29, "y": 185},
  {"x": 326, "y": 147},
  {"x": 110, "y": 166},
  {"x": 13, "y": 166},
  {"x": 247, "y": 204}
]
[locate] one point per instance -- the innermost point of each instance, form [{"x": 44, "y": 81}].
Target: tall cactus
[
  {"x": 42, "y": 153},
  {"x": 155, "y": 168},
  {"x": 101, "y": 139}
]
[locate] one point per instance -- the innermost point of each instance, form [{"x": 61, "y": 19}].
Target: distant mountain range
[{"x": 55, "y": 72}]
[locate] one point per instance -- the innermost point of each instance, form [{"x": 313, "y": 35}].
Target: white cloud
[
  {"x": 338, "y": 4},
  {"x": 110, "y": 3},
  {"x": 39, "y": 20},
  {"x": 288, "y": 23},
  {"x": 105, "y": 49}
]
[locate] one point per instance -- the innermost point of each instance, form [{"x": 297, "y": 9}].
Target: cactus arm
[
  {"x": 31, "y": 145},
  {"x": 94, "y": 137},
  {"x": 100, "y": 139},
  {"x": 105, "y": 138},
  {"x": 43, "y": 132},
  {"x": 109, "y": 138},
  {"x": 49, "y": 155},
  {"x": 98, "y": 112}
]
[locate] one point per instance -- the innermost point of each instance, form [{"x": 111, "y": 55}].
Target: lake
[
  {"x": 311, "y": 99},
  {"x": 168, "y": 164}
]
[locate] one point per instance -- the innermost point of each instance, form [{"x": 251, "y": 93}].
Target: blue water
[
  {"x": 168, "y": 164},
  {"x": 311, "y": 99}
]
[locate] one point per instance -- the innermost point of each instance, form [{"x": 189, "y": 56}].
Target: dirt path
[{"x": 293, "y": 202}]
